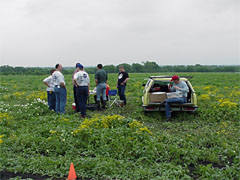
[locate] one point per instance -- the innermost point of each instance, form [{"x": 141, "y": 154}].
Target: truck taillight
[
  {"x": 150, "y": 107},
  {"x": 190, "y": 108}
]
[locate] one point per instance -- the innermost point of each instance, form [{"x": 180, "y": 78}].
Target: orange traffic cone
[{"x": 72, "y": 174}]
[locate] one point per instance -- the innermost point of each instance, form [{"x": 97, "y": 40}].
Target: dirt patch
[{"x": 4, "y": 175}]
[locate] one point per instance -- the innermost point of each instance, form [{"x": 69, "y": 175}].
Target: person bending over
[{"x": 179, "y": 87}]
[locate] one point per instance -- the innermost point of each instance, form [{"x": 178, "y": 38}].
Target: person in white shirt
[
  {"x": 59, "y": 89},
  {"x": 75, "y": 88},
  {"x": 82, "y": 82},
  {"x": 50, "y": 91}
]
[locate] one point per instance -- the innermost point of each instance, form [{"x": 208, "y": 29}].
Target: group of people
[{"x": 57, "y": 93}]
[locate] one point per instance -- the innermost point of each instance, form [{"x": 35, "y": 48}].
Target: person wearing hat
[
  {"x": 75, "y": 88},
  {"x": 82, "y": 82},
  {"x": 59, "y": 89},
  {"x": 179, "y": 87}
]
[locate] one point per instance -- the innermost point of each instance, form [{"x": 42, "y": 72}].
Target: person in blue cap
[
  {"x": 82, "y": 83},
  {"x": 75, "y": 88}
]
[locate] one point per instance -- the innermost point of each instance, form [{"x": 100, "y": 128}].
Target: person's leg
[
  {"x": 80, "y": 96},
  {"x": 104, "y": 98},
  {"x": 56, "y": 90},
  {"x": 95, "y": 99},
  {"x": 98, "y": 96},
  {"x": 63, "y": 99},
  {"x": 168, "y": 108},
  {"x": 168, "y": 103},
  {"x": 75, "y": 98},
  {"x": 104, "y": 89},
  {"x": 84, "y": 101},
  {"x": 120, "y": 92},
  {"x": 48, "y": 99},
  {"x": 54, "y": 101},
  {"x": 123, "y": 95}
]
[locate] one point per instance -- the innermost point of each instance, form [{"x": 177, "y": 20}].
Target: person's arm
[
  {"x": 171, "y": 88},
  {"x": 75, "y": 79},
  {"x": 62, "y": 84},
  {"x": 126, "y": 80},
  {"x": 46, "y": 84},
  {"x": 88, "y": 88},
  {"x": 46, "y": 81},
  {"x": 75, "y": 82},
  {"x": 96, "y": 78},
  {"x": 88, "y": 79}
]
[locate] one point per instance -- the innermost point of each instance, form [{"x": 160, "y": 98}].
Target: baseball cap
[
  {"x": 175, "y": 77},
  {"x": 79, "y": 65}
]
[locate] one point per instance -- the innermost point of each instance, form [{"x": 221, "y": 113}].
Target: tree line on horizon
[{"x": 145, "y": 67}]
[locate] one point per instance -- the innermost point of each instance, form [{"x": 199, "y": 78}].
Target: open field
[{"x": 121, "y": 143}]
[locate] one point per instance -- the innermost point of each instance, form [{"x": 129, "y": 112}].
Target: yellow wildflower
[
  {"x": 4, "y": 116},
  {"x": 52, "y": 132},
  {"x": 18, "y": 94},
  {"x": 205, "y": 96},
  {"x": 135, "y": 124},
  {"x": 206, "y": 88},
  {"x": 38, "y": 94},
  {"x": 145, "y": 129},
  {"x": 227, "y": 103},
  {"x": 98, "y": 122}
]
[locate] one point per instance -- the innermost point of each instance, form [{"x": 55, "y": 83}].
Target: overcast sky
[{"x": 46, "y": 32}]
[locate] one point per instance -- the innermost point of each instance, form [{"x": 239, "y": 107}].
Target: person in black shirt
[{"x": 121, "y": 83}]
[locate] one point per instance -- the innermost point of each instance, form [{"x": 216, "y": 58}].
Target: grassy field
[{"x": 122, "y": 143}]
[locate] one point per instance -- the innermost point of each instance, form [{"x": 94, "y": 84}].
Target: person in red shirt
[{"x": 107, "y": 90}]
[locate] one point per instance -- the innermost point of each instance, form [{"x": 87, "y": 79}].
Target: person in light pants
[
  {"x": 101, "y": 80},
  {"x": 60, "y": 89}
]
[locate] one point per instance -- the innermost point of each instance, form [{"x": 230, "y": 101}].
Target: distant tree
[
  {"x": 137, "y": 67},
  {"x": 151, "y": 66},
  {"x": 110, "y": 68}
]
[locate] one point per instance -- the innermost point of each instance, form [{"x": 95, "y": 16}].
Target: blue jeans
[
  {"x": 61, "y": 99},
  {"x": 168, "y": 103},
  {"x": 121, "y": 93},
  {"x": 101, "y": 91},
  {"x": 82, "y": 95},
  {"x": 51, "y": 100}
]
